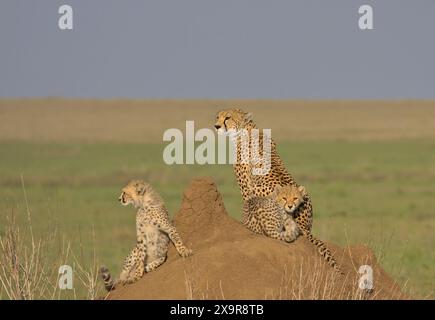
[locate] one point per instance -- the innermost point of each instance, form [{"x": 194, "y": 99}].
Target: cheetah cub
[
  {"x": 154, "y": 231},
  {"x": 264, "y": 215},
  {"x": 274, "y": 216}
]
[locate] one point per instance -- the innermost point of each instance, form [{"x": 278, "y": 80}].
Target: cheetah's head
[
  {"x": 289, "y": 197},
  {"x": 230, "y": 121},
  {"x": 138, "y": 193}
]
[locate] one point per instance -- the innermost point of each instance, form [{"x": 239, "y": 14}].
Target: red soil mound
[{"x": 230, "y": 262}]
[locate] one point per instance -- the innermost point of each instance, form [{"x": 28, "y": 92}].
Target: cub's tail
[
  {"x": 109, "y": 284},
  {"x": 323, "y": 250}
]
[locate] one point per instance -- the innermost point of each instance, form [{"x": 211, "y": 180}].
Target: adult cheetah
[{"x": 233, "y": 122}]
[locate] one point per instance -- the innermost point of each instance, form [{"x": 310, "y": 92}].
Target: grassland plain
[{"x": 369, "y": 166}]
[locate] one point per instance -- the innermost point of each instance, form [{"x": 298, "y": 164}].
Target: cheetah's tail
[
  {"x": 324, "y": 251},
  {"x": 109, "y": 284}
]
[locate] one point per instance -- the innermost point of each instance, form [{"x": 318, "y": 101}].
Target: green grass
[{"x": 380, "y": 193}]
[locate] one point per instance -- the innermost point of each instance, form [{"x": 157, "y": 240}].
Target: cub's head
[
  {"x": 289, "y": 197},
  {"x": 232, "y": 120},
  {"x": 138, "y": 193}
]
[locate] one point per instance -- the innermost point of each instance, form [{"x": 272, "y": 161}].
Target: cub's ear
[
  {"x": 140, "y": 189},
  {"x": 302, "y": 190}
]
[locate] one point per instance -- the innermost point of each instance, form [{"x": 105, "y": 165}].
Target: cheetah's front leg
[
  {"x": 274, "y": 229},
  {"x": 168, "y": 228},
  {"x": 291, "y": 230}
]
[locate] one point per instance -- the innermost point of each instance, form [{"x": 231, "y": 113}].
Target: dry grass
[
  {"x": 29, "y": 266},
  {"x": 29, "y": 272},
  {"x": 24, "y": 275},
  {"x": 48, "y": 120},
  {"x": 314, "y": 282}
]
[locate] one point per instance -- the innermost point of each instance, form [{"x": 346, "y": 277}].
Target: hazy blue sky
[{"x": 218, "y": 49}]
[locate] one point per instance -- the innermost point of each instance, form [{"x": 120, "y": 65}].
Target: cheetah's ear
[
  {"x": 140, "y": 189},
  {"x": 302, "y": 190}
]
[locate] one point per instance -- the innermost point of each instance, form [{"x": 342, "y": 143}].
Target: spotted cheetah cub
[
  {"x": 274, "y": 216},
  {"x": 154, "y": 231},
  {"x": 264, "y": 215}
]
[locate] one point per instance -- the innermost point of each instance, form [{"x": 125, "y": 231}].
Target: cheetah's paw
[{"x": 185, "y": 252}]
